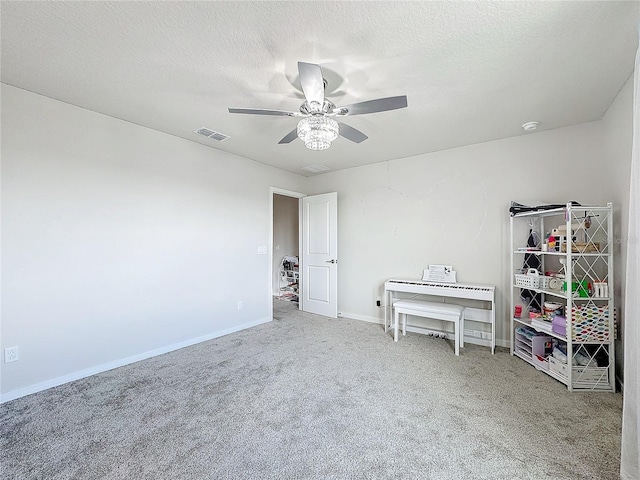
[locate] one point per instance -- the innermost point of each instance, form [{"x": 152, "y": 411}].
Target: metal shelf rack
[{"x": 582, "y": 263}]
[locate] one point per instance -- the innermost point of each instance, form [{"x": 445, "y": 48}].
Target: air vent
[
  {"x": 315, "y": 168},
  {"x": 207, "y": 132}
]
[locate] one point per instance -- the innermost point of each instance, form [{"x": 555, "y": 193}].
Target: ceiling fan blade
[
  {"x": 312, "y": 83},
  {"x": 289, "y": 137},
  {"x": 351, "y": 133},
  {"x": 373, "y": 106},
  {"x": 262, "y": 111}
]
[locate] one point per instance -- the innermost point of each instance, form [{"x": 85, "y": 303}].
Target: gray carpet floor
[{"x": 306, "y": 397}]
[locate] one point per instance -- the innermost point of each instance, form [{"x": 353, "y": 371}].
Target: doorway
[
  {"x": 285, "y": 249},
  {"x": 313, "y": 238},
  {"x": 285, "y": 279}
]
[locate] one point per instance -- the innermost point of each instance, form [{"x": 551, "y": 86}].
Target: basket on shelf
[
  {"x": 582, "y": 247},
  {"x": 529, "y": 280}
]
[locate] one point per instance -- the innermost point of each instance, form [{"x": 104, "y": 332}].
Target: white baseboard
[
  {"x": 467, "y": 339},
  {"x": 415, "y": 329},
  {"x": 363, "y": 318},
  {"x": 87, "y": 372}
]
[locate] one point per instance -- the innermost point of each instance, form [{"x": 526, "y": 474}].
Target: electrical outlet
[
  {"x": 379, "y": 301},
  {"x": 239, "y": 304},
  {"x": 473, "y": 333},
  {"x": 11, "y": 354}
]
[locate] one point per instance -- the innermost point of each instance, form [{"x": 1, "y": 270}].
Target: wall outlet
[
  {"x": 262, "y": 250},
  {"x": 475, "y": 334},
  {"x": 378, "y": 301},
  {"x": 11, "y": 354},
  {"x": 239, "y": 304}
]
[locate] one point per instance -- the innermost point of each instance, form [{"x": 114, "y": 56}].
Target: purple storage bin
[
  {"x": 541, "y": 345},
  {"x": 559, "y": 325}
]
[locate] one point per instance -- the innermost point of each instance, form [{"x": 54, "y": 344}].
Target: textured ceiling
[{"x": 472, "y": 71}]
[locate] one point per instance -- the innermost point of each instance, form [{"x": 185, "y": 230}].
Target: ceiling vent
[
  {"x": 315, "y": 168},
  {"x": 207, "y": 132}
]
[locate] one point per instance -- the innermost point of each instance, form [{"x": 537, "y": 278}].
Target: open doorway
[
  {"x": 286, "y": 251},
  {"x": 317, "y": 250}
]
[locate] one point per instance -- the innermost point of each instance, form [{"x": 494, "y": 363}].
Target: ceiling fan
[{"x": 318, "y": 128}]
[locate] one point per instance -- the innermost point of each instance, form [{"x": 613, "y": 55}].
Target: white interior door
[{"x": 320, "y": 254}]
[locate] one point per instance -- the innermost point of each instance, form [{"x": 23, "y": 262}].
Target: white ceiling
[{"x": 472, "y": 71}]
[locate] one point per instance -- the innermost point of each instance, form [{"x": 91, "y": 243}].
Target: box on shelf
[
  {"x": 559, "y": 325},
  {"x": 590, "y": 323},
  {"x": 580, "y": 289},
  {"x": 523, "y": 342},
  {"x": 558, "y": 367},
  {"x": 581, "y": 376},
  {"x": 590, "y": 375},
  {"x": 523, "y": 352},
  {"x": 540, "y": 362},
  {"x": 582, "y": 247},
  {"x": 541, "y": 345}
]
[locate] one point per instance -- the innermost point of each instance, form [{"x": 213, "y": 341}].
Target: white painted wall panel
[
  {"x": 451, "y": 207},
  {"x": 118, "y": 240},
  {"x": 618, "y": 128}
]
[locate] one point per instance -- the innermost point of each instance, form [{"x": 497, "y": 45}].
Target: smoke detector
[{"x": 530, "y": 126}]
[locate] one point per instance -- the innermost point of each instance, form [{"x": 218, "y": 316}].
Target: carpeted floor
[{"x": 305, "y": 397}]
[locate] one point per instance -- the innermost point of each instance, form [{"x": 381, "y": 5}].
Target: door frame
[{"x": 287, "y": 193}]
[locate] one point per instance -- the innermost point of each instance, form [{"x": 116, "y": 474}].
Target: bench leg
[
  {"x": 462, "y": 329},
  {"x": 396, "y": 320},
  {"x": 456, "y": 335},
  {"x": 404, "y": 324}
]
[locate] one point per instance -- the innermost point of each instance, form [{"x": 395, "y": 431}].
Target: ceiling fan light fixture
[
  {"x": 317, "y": 129},
  {"x": 317, "y": 132}
]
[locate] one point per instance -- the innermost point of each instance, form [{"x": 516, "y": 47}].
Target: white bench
[{"x": 438, "y": 311}]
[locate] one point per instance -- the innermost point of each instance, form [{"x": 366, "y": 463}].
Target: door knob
[{"x": 332, "y": 261}]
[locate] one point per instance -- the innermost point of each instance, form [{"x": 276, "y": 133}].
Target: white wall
[
  {"x": 618, "y": 129},
  {"x": 119, "y": 240},
  {"x": 451, "y": 207},
  {"x": 285, "y": 232}
]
